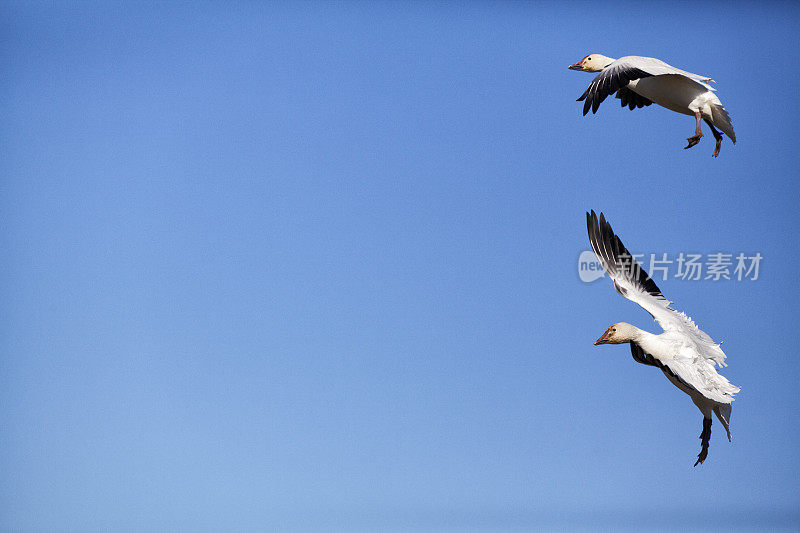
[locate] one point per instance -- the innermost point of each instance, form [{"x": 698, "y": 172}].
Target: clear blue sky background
[{"x": 312, "y": 266}]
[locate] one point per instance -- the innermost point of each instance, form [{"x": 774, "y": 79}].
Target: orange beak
[
  {"x": 603, "y": 339},
  {"x": 577, "y": 66}
]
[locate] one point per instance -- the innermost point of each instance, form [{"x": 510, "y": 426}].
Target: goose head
[
  {"x": 618, "y": 333},
  {"x": 592, "y": 63}
]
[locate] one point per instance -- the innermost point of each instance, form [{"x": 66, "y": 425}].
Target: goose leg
[
  {"x": 705, "y": 436},
  {"x": 717, "y": 136},
  {"x": 694, "y": 139}
]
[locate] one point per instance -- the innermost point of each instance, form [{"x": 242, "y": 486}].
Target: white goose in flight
[
  {"x": 640, "y": 81},
  {"x": 685, "y": 354}
]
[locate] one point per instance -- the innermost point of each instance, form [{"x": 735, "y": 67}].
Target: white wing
[
  {"x": 618, "y": 74},
  {"x": 690, "y": 372},
  {"x": 656, "y": 67},
  {"x": 632, "y": 282}
]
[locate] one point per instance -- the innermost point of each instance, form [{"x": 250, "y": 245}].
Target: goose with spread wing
[
  {"x": 685, "y": 354},
  {"x": 641, "y": 81}
]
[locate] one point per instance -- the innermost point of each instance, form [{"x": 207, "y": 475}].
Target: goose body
[
  {"x": 641, "y": 81},
  {"x": 686, "y": 355}
]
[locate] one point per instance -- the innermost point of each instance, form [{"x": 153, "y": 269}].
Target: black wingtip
[
  {"x": 603, "y": 224},
  {"x": 614, "y": 257},
  {"x": 586, "y": 105}
]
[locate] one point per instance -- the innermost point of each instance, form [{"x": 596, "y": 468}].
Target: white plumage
[
  {"x": 686, "y": 354},
  {"x": 640, "y": 81}
]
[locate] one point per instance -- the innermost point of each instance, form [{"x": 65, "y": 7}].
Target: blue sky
[{"x": 313, "y": 266}]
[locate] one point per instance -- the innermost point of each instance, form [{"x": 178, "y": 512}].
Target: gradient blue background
[{"x": 313, "y": 266}]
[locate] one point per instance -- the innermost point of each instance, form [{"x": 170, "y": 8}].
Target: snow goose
[
  {"x": 685, "y": 354},
  {"x": 640, "y": 81}
]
